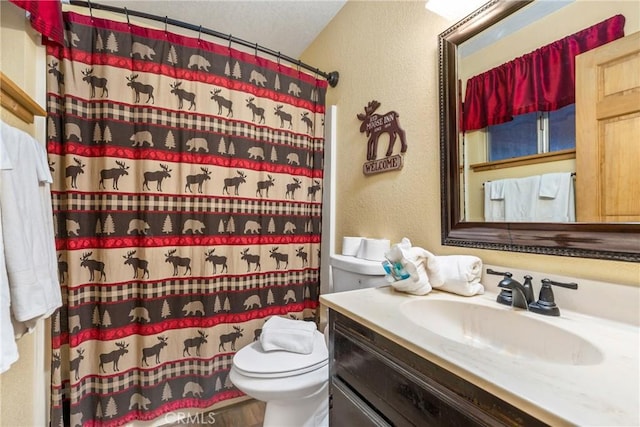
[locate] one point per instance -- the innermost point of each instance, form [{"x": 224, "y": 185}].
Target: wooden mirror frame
[{"x": 611, "y": 241}]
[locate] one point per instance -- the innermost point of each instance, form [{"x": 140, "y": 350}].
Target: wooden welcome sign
[{"x": 374, "y": 125}]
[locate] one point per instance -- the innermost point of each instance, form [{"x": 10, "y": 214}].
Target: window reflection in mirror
[
  {"x": 516, "y": 138},
  {"x": 533, "y": 133},
  {"x": 562, "y": 128}
]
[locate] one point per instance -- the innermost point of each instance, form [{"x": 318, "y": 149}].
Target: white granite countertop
[{"x": 602, "y": 394}]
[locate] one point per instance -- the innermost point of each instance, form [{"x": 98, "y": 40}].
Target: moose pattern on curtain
[{"x": 187, "y": 207}]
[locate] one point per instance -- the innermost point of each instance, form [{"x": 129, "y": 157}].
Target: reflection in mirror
[{"x": 477, "y": 163}]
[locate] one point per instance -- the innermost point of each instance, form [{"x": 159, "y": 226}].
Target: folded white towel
[
  {"x": 550, "y": 184},
  {"x": 557, "y": 198},
  {"x": 413, "y": 260},
  {"x": 496, "y": 189},
  {"x": 459, "y": 274},
  {"x": 494, "y": 201},
  {"x": 279, "y": 333}
]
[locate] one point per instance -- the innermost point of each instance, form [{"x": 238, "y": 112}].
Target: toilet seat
[{"x": 253, "y": 361}]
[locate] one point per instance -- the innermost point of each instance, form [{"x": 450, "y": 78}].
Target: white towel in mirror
[
  {"x": 556, "y": 201},
  {"x": 494, "y": 201}
]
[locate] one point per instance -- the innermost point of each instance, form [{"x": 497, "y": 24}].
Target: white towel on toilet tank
[
  {"x": 279, "y": 333},
  {"x": 459, "y": 274}
]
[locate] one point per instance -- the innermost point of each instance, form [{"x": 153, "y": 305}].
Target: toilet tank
[{"x": 350, "y": 273}]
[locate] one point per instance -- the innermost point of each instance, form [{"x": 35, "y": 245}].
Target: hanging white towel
[
  {"x": 549, "y": 185},
  {"x": 8, "y": 347},
  {"x": 494, "y": 201},
  {"x": 27, "y": 232},
  {"x": 497, "y": 189},
  {"x": 279, "y": 333},
  {"x": 520, "y": 198},
  {"x": 556, "y": 198}
]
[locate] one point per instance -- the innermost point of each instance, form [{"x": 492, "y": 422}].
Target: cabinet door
[
  {"x": 376, "y": 382},
  {"x": 607, "y": 132},
  {"x": 404, "y": 397},
  {"x": 348, "y": 410}
]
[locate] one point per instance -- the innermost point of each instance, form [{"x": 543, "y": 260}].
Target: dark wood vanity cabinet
[{"x": 376, "y": 382}]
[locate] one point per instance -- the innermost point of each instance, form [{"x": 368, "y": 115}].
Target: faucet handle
[
  {"x": 546, "y": 301},
  {"x": 570, "y": 285},
  {"x": 499, "y": 273}
]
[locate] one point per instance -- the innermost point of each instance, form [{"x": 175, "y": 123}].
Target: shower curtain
[{"x": 187, "y": 208}]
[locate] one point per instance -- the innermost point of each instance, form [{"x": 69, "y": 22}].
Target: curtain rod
[{"x": 332, "y": 77}]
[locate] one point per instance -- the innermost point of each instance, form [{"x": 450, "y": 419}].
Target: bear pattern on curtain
[{"x": 187, "y": 208}]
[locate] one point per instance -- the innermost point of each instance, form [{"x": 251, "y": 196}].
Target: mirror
[{"x": 614, "y": 241}]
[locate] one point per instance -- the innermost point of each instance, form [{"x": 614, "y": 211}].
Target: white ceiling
[{"x": 283, "y": 26}]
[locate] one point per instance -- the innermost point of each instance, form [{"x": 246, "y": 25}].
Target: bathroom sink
[{"x": 508, "y": 332}]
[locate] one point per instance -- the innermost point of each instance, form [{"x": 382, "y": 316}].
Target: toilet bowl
[{"x": 293, "y": 385}]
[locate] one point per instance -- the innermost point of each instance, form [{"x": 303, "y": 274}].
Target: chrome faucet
[{"x": 520, "y": 295}]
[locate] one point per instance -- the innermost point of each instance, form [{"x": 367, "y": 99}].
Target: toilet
[{"x": 295, "y": 386}]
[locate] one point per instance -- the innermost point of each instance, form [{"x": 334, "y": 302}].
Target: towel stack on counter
[{"x": 417, "y": 271}]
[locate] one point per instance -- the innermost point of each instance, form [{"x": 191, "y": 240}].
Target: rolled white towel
[
  {"x": 416, "y": 284},
  {"x": 459, "y": 274},
  {"x": 279, "y": 333}
]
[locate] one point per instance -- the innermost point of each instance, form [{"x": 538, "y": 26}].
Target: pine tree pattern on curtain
[{"x": 187, "y": 205}]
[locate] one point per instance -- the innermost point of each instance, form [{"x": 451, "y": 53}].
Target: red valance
[
  {"x": 46, "y": 17},
  {"x": 542, "y": 80}
]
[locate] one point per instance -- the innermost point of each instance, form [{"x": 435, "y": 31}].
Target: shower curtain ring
[
  {"x": 230, "y": 39},
  {"x": 166, "y": 18},
  {"x": 127, "y": 13},
  {"x": 90, "y": 8},
  {"x": 199, "y": 33},
  {"x": 256, "y": 51}
]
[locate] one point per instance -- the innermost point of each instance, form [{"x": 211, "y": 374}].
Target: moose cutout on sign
[{"x": 373, "y": 126}]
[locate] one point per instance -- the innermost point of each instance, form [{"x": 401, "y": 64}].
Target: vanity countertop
[{"x": 607, "y": 393}]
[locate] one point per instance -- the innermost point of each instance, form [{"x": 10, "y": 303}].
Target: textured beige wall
[{"x": 387, "y": 51}]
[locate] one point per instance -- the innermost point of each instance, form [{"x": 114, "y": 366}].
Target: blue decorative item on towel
[{"x": 402, "y": 256}]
